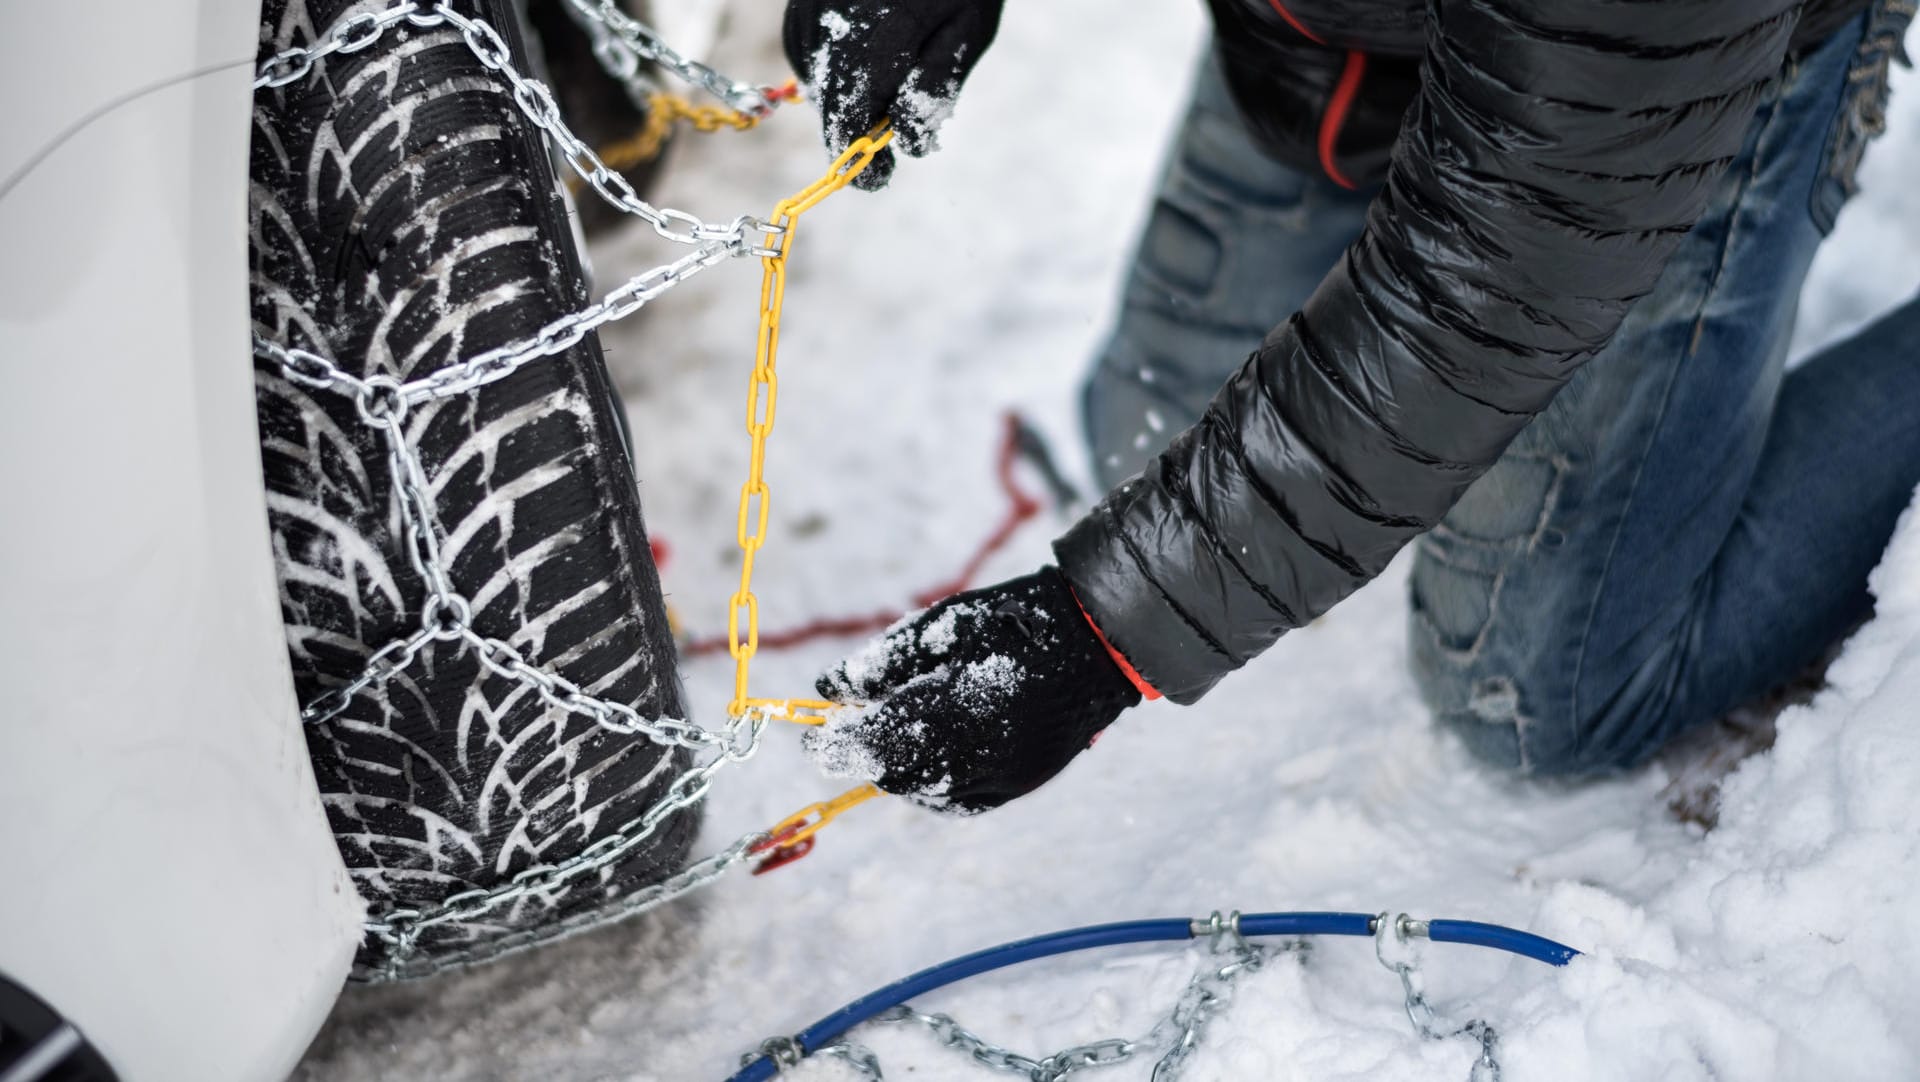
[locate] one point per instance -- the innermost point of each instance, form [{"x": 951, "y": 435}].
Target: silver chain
[
  {"x": 627, "y": 42},
  {"x": 616, "y": 58},
  {"x": 350, "y": 35},
  {"x": 1176, "y": 1036},
  {"x": 384, "y": 405},
  {"x": 535, "y": 101},
  {"x": 563, "y": 333},
  {"x": 400, "y": 929},
  {"x": 1391, "y": 935}
]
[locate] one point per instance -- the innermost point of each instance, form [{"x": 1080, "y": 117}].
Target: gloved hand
[
  {"x": 863, "y": 61},
  {"x": 975, "y": 701}
]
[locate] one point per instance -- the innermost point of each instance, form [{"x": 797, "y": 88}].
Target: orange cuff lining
[{"x": 1139, "y": 682}]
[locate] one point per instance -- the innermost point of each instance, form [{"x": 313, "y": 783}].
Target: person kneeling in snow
[{"x": 1531, "y": 270}]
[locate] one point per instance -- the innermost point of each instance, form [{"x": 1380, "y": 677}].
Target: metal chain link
[
  {"x": 384, "y": 405},
  {"x": 531, "y": 97},
  {"x": 400, "y": 929},
  {"x": 349, "y": 35},
  {"x": 559, "y": 692},
  {"x": 567, "y": 331},
  {"x": 616, "y": 58},
  {"x": 1390, "y": 937},
  {"x": 1178, "y": 1034},
  {"x": 629, "y": 41},
  {"x": 1175, "y": 1036},
  {"x": 662, "y": 112},
  {"x": 763, "y": 394}
]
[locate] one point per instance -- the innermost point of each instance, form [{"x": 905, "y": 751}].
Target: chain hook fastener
[
  {"x": 785, "y": 1052},
  {"x": 1391, "y": 933},
  {"x": 1221, "y": 932},
  {"x": 1406, "y": 964}
]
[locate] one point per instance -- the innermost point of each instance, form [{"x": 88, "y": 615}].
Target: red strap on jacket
[
  {"x": 1298, "y": 26},
  {"x": 1336, "y": 115},
  {"x": 1139, "y": 682},
  {"x": 1344, "y": 92}
]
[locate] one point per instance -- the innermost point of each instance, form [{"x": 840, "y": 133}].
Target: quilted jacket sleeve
[{"x": 1558, "y": 152}]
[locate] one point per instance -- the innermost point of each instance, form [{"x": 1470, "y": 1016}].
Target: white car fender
[{"x": 168, "y": 881}]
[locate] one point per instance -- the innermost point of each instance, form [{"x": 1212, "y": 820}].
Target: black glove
[
  {"x": 974, "y": 701},
  {"x": 863, "y": 61}
]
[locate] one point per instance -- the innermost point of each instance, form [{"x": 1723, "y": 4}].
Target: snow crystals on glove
[
  {"x": 918, "y": 112},
  {"x": 937, "y": 638},
  {"x": 841, "y": 748},
  {"x": 849, "y": 745},
  {"x": 988, "y": 683}
]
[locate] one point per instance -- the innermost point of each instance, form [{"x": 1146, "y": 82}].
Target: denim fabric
[
  {"x": 1685, "y": 527},
  {"x": 1235, "y": 244}
]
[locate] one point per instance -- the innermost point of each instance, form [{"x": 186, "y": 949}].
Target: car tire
[{"x": 404, "y": 216}]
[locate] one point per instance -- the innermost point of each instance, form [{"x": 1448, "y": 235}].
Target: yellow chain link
[
  {"x": 806, "y": 822},
  {"x": 663, "y": 112},
  {"x": 755, "y": 498},
  {"x": 763, "y": 394}
]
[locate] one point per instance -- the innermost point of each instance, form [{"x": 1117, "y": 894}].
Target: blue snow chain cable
[{"x": 1251, "y": 925}]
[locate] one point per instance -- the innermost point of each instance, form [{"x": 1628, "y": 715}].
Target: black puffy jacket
[{"x": 1550, "y": 156}]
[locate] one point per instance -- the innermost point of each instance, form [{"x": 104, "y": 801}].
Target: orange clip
[{"x": 793, "y": 837}]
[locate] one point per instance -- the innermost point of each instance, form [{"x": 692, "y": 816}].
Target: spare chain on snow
[
  {"x": 385, "y": 405},
  {"x": 1178, "y": 1034},
  {"x": 1174, "y": 1037}
]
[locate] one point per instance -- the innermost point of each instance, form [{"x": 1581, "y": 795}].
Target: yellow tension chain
[
  {"x": 762, "y": 396},
  {"x": 664, "y": 110}
]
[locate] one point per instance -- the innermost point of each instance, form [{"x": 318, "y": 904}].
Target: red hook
[{"x": 781, "y": 852}]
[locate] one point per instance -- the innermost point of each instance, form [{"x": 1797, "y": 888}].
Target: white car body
[{"x": 168, "y": 881}]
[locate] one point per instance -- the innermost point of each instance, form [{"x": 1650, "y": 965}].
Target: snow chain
[{"x": 385, "y": 405}]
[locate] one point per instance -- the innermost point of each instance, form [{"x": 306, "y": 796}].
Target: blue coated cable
[
  {"x": 1263, "y": 924},
  {"x": 1511, "y": 940},
  {"x": 826, "y": 1030},
  {"x": 830, "y": 1028}
]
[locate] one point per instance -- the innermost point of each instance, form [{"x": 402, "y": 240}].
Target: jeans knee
[
  {"x": 1511, "y": 710},
  {"x": 1500, "y": 728},
  {"x": 1125, "y": 421}
]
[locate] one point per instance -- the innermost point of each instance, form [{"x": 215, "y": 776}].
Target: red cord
[
  {"x": 1020, "y": 508},
  {"x": 1336, "y": 115},
  {"x": 1296, "y": 23}
]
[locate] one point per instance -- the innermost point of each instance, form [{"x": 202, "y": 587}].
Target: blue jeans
[{"x": 1687, "y": 526}]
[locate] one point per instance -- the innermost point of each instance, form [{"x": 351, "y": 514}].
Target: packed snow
[{"x": 1781, "y": 944}]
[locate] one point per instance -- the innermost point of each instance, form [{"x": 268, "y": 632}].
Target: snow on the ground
[{"x": 1782, "y": 945}]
